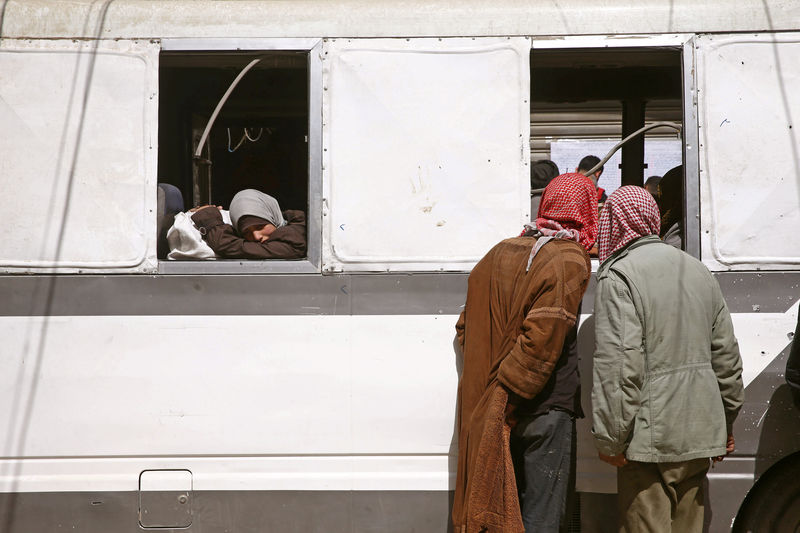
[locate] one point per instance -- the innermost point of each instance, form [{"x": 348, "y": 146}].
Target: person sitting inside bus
[
  {"x": 670, "y": 204},
  {"x": 651, "y": 184},
  {"x": 258, "y": 229},
  {"x": 586, "y": 164},
  {"x": 542, "y": 172}
]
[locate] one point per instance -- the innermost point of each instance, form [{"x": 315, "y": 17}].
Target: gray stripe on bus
[
  {"x": 236, "y": 511},
  {"x": 308, "y": 294}
]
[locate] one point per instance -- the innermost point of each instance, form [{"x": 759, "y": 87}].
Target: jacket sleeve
[
  {"x": 226, "y": 243},
  {"x": 460, "y": 325},
  {"x": 294, "y": 216},
  {"x": 527, "y": 367},
  {"x": 619, "y": 366},
  {"x": 727, "y": 363},
  {"x": 793, "y": 364}
]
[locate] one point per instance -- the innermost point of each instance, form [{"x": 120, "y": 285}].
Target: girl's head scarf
[{"x": 253, "y": 203}]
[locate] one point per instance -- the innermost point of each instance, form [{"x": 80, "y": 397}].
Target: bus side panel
[
  {"x": 78, "y": 155},
  {"x": 77, "y": 386},
  {"x": 749, "y": 150},
  {"x": 423, "y": 138}
]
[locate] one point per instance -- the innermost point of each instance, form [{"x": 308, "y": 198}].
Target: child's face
[{"x": 258, "y": 233}]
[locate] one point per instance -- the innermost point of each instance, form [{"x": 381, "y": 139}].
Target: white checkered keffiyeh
[{"x": 629, "y": 213}]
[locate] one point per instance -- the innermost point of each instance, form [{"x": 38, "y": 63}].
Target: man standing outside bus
[
  {"x": 667, "y": 382},
  {"x": 517, "y": 333}
]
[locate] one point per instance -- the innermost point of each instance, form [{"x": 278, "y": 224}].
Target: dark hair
[
  {"x": 542, "y": 172},
  {"x": 670, "y": 204},
  {"x": 652, "y": 179},
  {"x": 588, "y": 163}
]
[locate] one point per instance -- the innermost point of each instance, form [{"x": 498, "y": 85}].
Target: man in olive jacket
[{"x": 667, "y": 380}]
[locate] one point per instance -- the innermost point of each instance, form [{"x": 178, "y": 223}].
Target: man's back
[
  {"x": 676, "y": 298},
  {"x": 501, "y": 295},
  {"x": 662, "y": 312},
  {"x": 511, "y": 331}
]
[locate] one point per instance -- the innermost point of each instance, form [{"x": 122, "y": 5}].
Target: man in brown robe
[{"x": 522, "y": 301}]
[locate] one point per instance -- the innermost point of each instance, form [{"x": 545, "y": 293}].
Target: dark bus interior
[
  {"x": 259, "y": 138},
  {"x": 588, "y": 93}
]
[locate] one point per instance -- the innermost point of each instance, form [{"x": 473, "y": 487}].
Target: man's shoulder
[
  {"x": 565, "y": 250},
  {"x": 565, "y": 257},
  {"x": 560, "y": 248},
  {"x": 664, "y": 254},
  {"x": 512, "y": 245},
  {"x": 657, "y": 261}
]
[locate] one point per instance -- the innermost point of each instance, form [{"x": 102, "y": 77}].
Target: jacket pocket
[{"x": 686, "y": 413}]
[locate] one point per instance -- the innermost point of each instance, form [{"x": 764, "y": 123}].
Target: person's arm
[
  {"x": 527, "y": 367},
  {"x": 727, "y": 362},
  {"x": 793, "y": 364},
  {"x": 294, "y": 216},
  {"x": 619, "y": 366},
  {"x": 460, "y": 326},
  {"x": 226, "y": 243}
]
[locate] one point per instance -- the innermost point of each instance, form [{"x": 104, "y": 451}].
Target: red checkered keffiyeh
[
  {"x": 629, "y": 213},
  {"x": 570, "y": 202}
]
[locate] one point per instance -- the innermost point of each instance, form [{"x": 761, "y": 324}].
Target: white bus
[{"x": 318, "y": 395}]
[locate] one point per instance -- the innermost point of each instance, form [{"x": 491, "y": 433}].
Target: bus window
[
  {"x": 583, "y": 101},
  {"x": 259, "y": 139}
]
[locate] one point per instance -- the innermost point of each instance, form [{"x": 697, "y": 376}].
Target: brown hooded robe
[{"x": 511, "y": 332}]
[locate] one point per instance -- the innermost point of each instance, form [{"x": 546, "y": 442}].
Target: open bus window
[
  {"x": 583, "y": 101},
  {"x": 258, "y": 140}
]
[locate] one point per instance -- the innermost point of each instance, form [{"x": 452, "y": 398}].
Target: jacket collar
[{"x": 622, "y": 252}]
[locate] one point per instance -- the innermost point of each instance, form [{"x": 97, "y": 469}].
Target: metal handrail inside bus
[
  {"x": 197, "y": 159},
  {"x": 220, "y": 104},
  {"x": 617, "y": 146}
]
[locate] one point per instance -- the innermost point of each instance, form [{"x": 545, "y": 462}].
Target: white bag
[{"x": 185, "y": 241}]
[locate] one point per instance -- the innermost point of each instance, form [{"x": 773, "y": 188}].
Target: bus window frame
[
  {"x": 311, "y": 264},
  {"x": 690, "y": 132},
  {"x": 691, "y": 152}
]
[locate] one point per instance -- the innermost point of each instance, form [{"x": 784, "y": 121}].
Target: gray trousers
[
  {"x": 542, "y": 448},
  {"x": 656, "y": 497}
]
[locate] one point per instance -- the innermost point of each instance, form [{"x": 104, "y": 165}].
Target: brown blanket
[{"x": 511, "y": 331}]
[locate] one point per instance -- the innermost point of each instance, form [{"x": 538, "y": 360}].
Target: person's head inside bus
[
  {"x": 542, "y": 172},
  {"x": 651, "y": 185},
  {"x": 255, "y": 215},
  {"x": 670, "y": 204},
  {"x": 588, "y": 163}
]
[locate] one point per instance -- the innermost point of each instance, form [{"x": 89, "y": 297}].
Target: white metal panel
[
  {"x": 87, "y": 403},
  {"x": 749, "y": 109},
  {"x": 165, "y": 479},
  {"x": 425, "y": 151},
  {"x": 79, "y": 386},
  {"x": 78, "y": 155},
  {"x": 387, "y": 18},
  {"x": 413, "y": 472}
]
